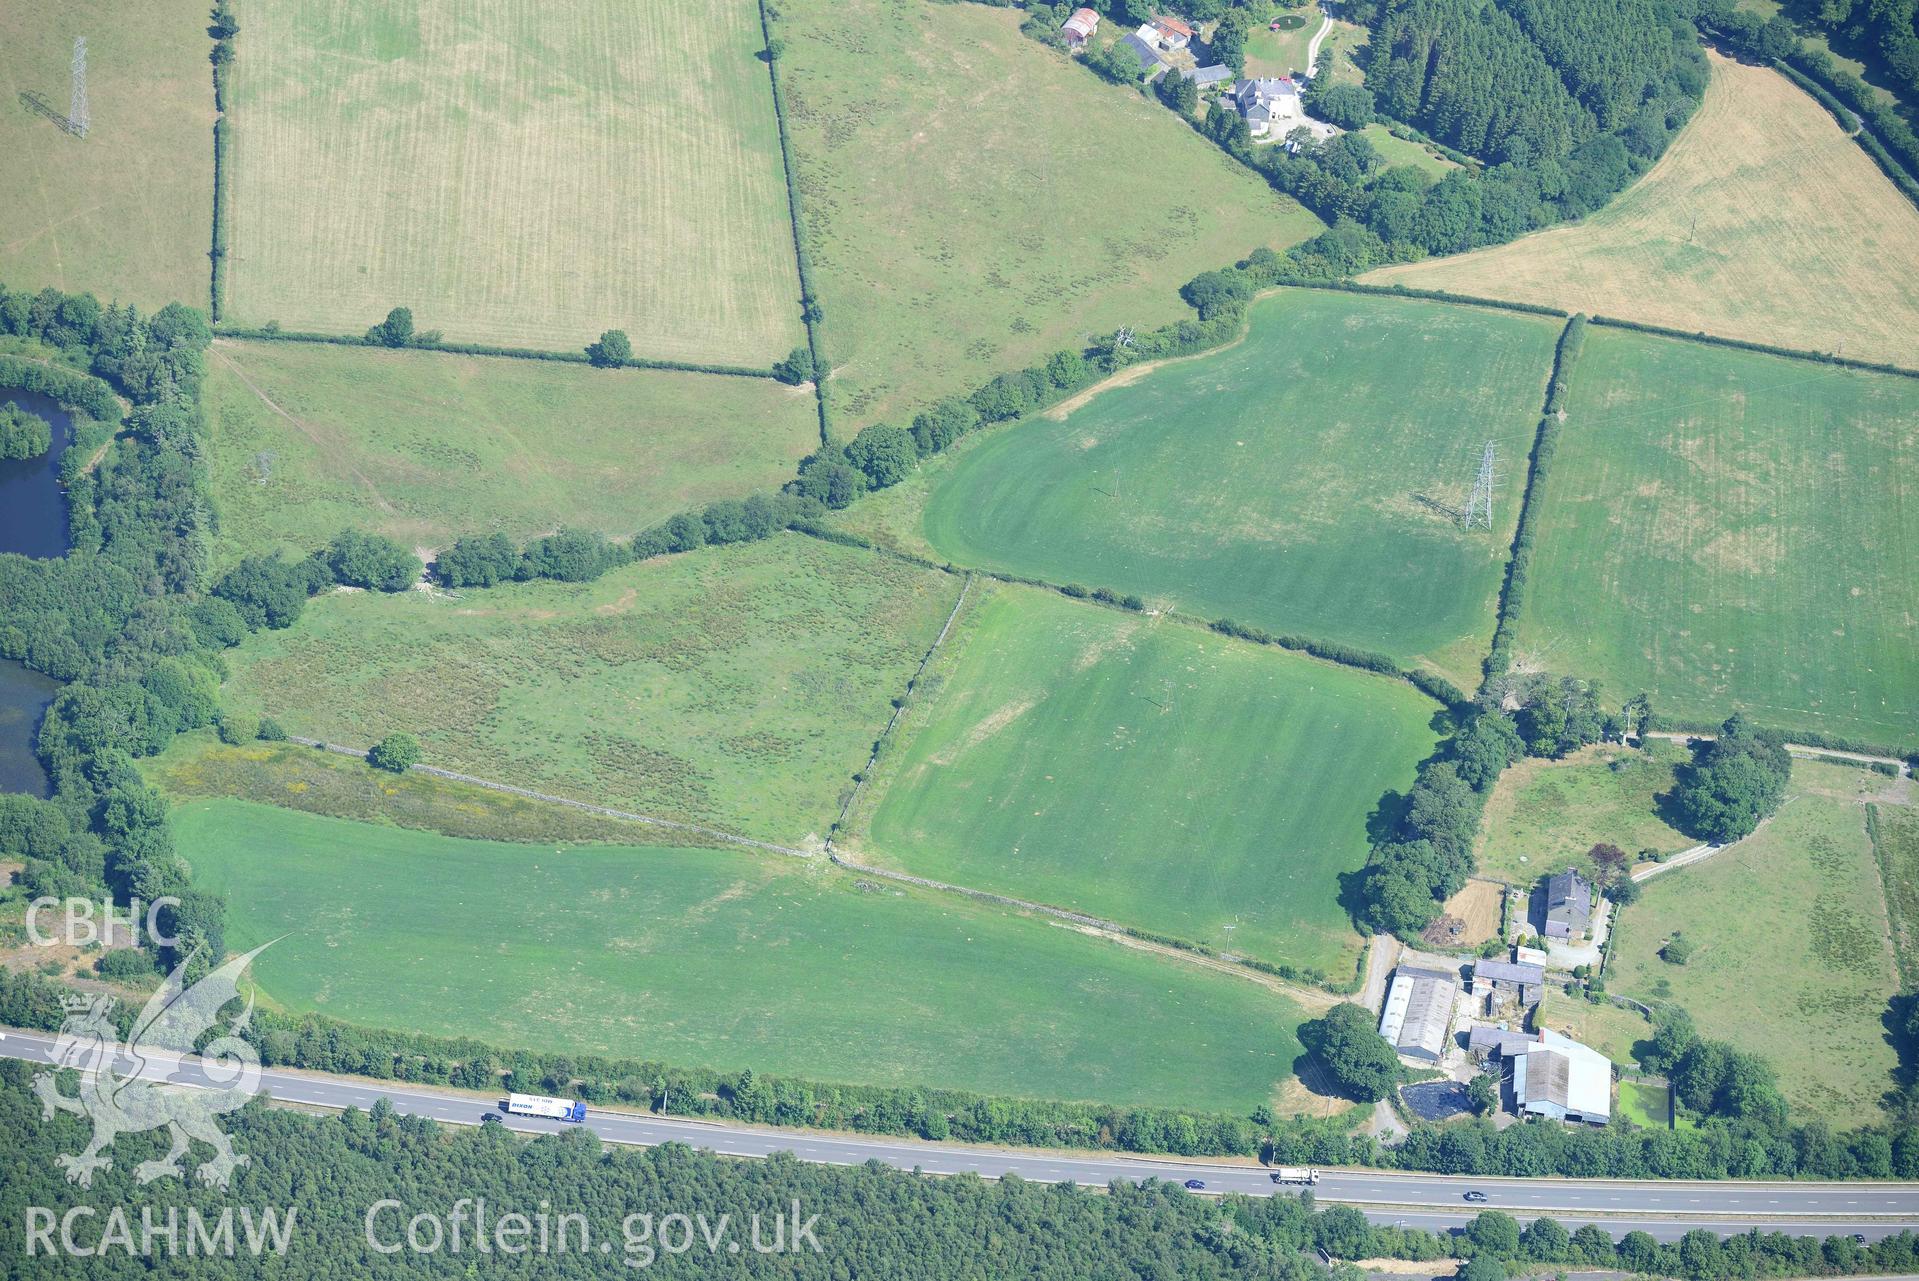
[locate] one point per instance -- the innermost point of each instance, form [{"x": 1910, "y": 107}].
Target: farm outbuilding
[
  {"x": 1173, "y": 33},
  {"x": 1079, "y": 28},
  {"x": 1419, "y": 1009},
  {"x": 1509, "y": 979},
  {"x": 1559, "y": 1078},
  {"x": 1494, "y": 1042},
  {"x": 1146, "y": 50},
  {"x": 1207, "y": 77}
]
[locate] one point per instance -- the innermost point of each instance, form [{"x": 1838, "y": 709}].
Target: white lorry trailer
[{"x": 540, "y": 1105}]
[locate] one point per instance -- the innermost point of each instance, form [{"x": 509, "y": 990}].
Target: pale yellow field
[
  {"x": 126, "y": 212},
  {"x": 975, "y": 202},
  {"x": 1763, "y": 222},
  {"x": 514, "y": 172}
]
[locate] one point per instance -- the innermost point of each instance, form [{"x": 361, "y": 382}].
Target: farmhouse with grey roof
[{"x": 1569, "y": 905}]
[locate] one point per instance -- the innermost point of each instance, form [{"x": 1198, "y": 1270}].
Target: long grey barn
[{"x": 1419, "y": 1009}]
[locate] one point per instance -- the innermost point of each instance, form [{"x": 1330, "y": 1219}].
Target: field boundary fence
[
  {"x": 899, "y": 712},
  {"x": 810, "y": 311},
  {"x": 606, "y": 811}
]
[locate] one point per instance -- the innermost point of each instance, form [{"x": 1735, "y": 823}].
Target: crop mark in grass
[
  {"x": 1108, "y": 794},
  {"x": 1243, "y": 507},
  {"x": 1727, "y": 533},
  {"x": 713, "y": 958},
  {"x": 326, "y": 442}
]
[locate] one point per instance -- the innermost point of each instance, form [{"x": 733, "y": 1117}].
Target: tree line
[{"x": 873, "y": 1221}]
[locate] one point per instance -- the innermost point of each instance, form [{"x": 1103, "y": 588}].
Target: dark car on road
[
  {"x": 1195, "y": 1185},
  {"x": 1476, "y": 1197}
]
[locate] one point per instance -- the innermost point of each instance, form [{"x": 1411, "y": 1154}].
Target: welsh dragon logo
[{"x": 121, "y": 1086}]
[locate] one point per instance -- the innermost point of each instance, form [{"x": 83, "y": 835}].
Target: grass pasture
[
  {"x": 975, "y": 202},
  {"x": 1608, "y": 1028},
  {"x": 295, "y": 777},
  {"x": 722, "y": 959},
  {"x": 1762, "y": 221},
  {"x": 1545, "y": 815},
  {"x": 1895, "y": 842},
  {"x": 126, "y": 212},
  {"x": 309, "y": 440},
  {"x": 1791, "y": 951},
  {"x": 1403, "y": 151},
  {"x": 1283, "y": 53},
  {"x": 1148, "y": 773},
  {"x": 515, "y": 173},
  {"x": 1280, "y": 481},
  {"x": 739, "y": 688},
  {"x": 1727, "y": 531}
]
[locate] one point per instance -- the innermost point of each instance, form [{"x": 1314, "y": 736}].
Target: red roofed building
[
  {"x": 1173, "y": 33},
  {"x": 1079, "y": 28}
]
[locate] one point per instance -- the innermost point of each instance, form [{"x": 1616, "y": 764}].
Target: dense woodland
[
  {"x": 1885, "y": 30},
  {"x": 872, "y": 1221}
]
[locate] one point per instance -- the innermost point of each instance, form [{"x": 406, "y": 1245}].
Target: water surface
[
  {"x": 24, "y": 695},
  {"x": 33, "y": 509}
]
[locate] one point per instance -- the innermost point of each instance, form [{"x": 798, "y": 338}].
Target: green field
[
  {"x": 310, "y": 440},
  {"x": 974, "y": 202},
  {"x": 738, "y": 687},
  {"x": 297, "y": 777},
  {"x": 1283, "y": 53},
  {"x": 514, "y": 172},
  {"x": 1148, "y": 773},
  {"x": 126, "y": 212},
  {"x": 1792, "y": 952},
  {"x": 1279, "y": 482},
  {"x": 724, "y": 960},
  {"x": 1545, "y": 815},
  {"x": 1727, "y": 531},
  {"x": 1895, "y": 841},
  {"x": 1400, "y": 151}
]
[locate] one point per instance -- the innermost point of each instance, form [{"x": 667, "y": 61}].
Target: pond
[
  {"x": 24, "y": 695},
  {"x": 33, "y": 509}
]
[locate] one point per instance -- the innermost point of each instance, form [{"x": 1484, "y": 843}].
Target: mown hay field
[
  {"x": 1148, "y": 773},
  {"x": 1545, "y": 815},
  {"x": 1763, "y": 221},
  {"x": 1732, "y": 531},
  {"x": 738, "y": 687},
  {"x": 309, "y": 440},
  {"x": 725, "y": 960},
  {"x": 126, "y": 212},
  {"x": 515, "y": 173},
  {"x": 1297, "y": 481},
  {"x": 1790, "y": 952},
  {"x": 973, "y": 201}
]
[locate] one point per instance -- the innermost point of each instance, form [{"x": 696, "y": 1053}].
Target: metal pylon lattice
[
  {"x": 1479, "y": 509},
  {"x": 77, "y": 112}
]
